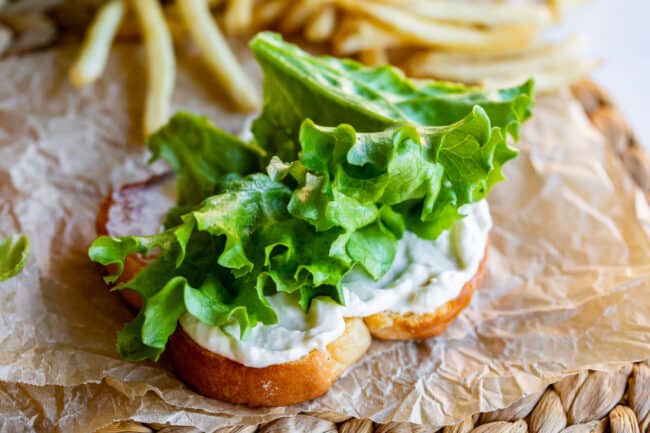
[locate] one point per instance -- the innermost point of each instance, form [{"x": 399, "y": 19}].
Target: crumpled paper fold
[{"x": 567, "y": 287}]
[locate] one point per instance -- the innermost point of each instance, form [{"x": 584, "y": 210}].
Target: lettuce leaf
[
  {"x": 201, "y": 155},
  {"x": 355, "y": 155},
  {"x": 197, "y": 265},
  {"x": 330, "y": 91},
  {"x": 14, "y": 251},
  {"x": 423, "y": 174},
  {"x": 345, "y": 202},
  {"x": 217, "y": 264},
  {"x": 297, "y": 259}
]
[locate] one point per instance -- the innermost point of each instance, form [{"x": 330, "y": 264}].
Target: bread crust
[
  {"x": 132, "y": 265},
  {"x": 284, "y": 384},
  {"x": 413, "y": 326}
]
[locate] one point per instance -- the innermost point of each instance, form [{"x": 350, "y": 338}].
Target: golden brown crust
[
  {"x": 412, "y": 326},
  {"x": 277, "y": 385},
  {"x": 132, "y": 266}
]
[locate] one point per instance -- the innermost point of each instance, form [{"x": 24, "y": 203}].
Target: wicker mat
[{"x": 589, "y": 402}]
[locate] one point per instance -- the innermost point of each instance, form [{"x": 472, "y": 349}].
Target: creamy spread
[
  {"x": 295, "y": 335},
  {"x": 425, "y": 275}
]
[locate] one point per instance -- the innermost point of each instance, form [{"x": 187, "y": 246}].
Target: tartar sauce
[
  {"x": 425, "y": 275},
  {"x": 295, "y": 335}
]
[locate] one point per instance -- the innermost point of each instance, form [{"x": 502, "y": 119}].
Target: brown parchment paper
[{"x": 568, "y": 285}]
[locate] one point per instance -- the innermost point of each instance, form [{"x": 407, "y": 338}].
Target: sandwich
[{"x": 263, "y": 267}]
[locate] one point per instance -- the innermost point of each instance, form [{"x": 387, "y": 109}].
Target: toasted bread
[
  {"x": 209, "y": 373},
  {"x": 276, "y": 385},
  {"x": 413, "y": 326}
]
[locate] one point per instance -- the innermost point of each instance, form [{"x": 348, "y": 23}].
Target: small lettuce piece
[
  {"x": 331, "y": 91},
  {"x": 246, "y": 203},
  {"x": 172, "y": 244},
  {"x": 297, "y": 258},
  {"x": 201, "y": 155},
  {"x": 374, "y": 248},
  {"x": 14, "y": 251}
]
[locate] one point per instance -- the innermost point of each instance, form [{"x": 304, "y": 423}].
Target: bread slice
[
  {"x": 413, "y": 326},
  {"x": 276, "y": 385},
  {"x": 209, "y": 373}
]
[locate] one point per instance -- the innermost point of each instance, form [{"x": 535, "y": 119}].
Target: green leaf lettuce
[
  {"x": 14, "y": 251},
  {"x": 330, "y": 91},
  {"x": 345, "y": 159}
]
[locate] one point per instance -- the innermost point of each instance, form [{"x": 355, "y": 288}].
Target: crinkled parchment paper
[{"x": 568, "y": 285}]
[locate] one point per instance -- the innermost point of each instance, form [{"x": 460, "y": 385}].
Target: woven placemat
[{"x": 589, "y": 402}]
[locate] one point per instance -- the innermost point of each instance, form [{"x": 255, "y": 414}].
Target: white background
[{"x": 619, "y": 34}]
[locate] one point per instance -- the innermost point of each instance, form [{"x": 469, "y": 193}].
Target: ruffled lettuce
[
  {"x": 201, "y": 154},
  {"x": 14, "y": 251},
  {"x": 331, "y": 91},
  {"x": 359, "y": 155},
  {"x": 205, "y": 265},
  {"x": 422, "y": 174}
]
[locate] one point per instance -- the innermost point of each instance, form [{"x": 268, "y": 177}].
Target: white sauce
[
  {"x": 425, "y": 275},
  {"x": 294, "y": 336}
]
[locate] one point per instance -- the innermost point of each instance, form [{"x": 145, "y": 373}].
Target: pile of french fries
[
  {"x": 158, "y": 26},
  {"x": 489, "y": 42}
]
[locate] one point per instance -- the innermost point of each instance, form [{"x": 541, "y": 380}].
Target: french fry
[
  {"x": 217, "y": 54},
  {"x": 130, "y": 27},
  {"x": 374, "y": 57},
  {"x": 473, "y": 69},
  {"x": 356, "y": 35},
  {"x": 96, "y": 47},
  {"x": 238, "y": 16},
  {"x": 268, "y": 12},
  {"x": 561, "y": 7},
  {"x": 175, "y": 25},
  {"x": 161, "y": 66},
  {"x": 300, "y": 12},
  {"x": 548, "y": 81},
  {"x": 425, "y": 32},
  {"x": 6, "y": 37},
  {"x": 552, "y": 66},
  {"x": 488, "y": 14},
  {"x": 321, "y": 26},
  {"x": 492, "y": 13}
]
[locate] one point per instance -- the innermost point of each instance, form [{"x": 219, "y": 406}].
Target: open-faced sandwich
[{"x": 358, "y": 208}]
